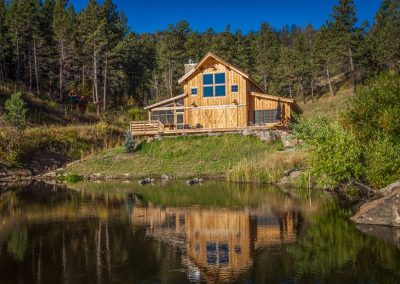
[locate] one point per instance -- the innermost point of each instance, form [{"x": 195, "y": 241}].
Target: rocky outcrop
[
  {"x": 290, "y": 178},
  {"x": 382, "y": 211}
]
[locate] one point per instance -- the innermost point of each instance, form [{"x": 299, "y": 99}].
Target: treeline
[{"x": 49, "y": 48}]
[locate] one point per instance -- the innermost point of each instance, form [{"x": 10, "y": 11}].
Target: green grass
[
  {"x": 180, "y": 157},
  {"x": 327, "y": 105}
]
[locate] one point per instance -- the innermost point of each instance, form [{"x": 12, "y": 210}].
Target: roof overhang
[
  {"x": 224, "y": 62},
  {"x": 292, "y": 102},
  {"x": 163, "y": 102}
]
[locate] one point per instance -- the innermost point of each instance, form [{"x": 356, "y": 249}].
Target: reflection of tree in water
[
  {"x": 333, "y": 246},
  {"x": 17, "y": 244}
]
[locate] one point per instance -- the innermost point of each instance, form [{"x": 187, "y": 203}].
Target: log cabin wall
[{"x": 216, "y": 112}]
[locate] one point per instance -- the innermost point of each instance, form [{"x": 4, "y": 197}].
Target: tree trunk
[
  {"x": 312, "y": 90},
  {"x": 61, "y": 70},
  {"x": 105, "y": 85},
  {"x": 95, "y": 89},
  {"x": 302, "y": 90},
  {"x": 352, "y": 71},
  {"x": 35, "y": 61},
  {"x": 290, "y": 91},
  {"x": 329, "y": 81},
  {"x": 17, "y": 71},
  {"x": 30, "y": 68}
]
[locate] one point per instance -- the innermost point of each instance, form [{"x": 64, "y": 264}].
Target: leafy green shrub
[
  {"x": 335, "y": 155},
  {"x": 129, "y": 143},
  {"x": 375, "y": 109},
  {"x": 382, "y": 158}
]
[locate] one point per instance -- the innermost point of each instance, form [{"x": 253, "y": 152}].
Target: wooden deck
[{"x": 152, "y": 128}]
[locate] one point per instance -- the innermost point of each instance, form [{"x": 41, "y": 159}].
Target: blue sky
[{"x": 246, "y": 15}]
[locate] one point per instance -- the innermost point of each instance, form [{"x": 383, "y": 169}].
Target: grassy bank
[
  {"x": 180, "y": 157},
  {"x": 73, "y": 142}
]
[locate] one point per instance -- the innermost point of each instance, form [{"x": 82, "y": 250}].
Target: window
[
  {"x": 214, "y": 85},
  {"x": 266, "y": 116},
  {"x": 235, "y": 88},
  {"x": 164, "y": 116},
  {"x": 194, "y": 91}
]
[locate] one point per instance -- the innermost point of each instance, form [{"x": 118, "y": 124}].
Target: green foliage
[
  {"x": 335, "y": 154},
  {"x": 364, "y": 143},
  {"x": 15, "y": 108},
  {"x": 129, "y": 143},
  {"x": 72, "y": 178}
]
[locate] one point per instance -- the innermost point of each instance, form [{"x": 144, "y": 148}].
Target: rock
[
  {"x": 247, "y": 132},
  {"x": 290, "y": 177},
  {"x": 165, "y": 177},
  {"x": 286, "y": 173},
  {"x": 127, "y": 175},
  {"x": 146, "y": 181},
  {"x": 194, "y": 181},
  {"x": 158, "y": 137},
  {"x": 389, "y": 189},
  {"x": 382, "y": 211},
  {"x": 267, "y": 136},
  {"x": 52, "y": 174},
  {"x": 295, "y": 174}
]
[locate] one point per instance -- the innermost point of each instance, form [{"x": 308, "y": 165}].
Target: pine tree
[
  {"x": 267, "y": 55},
  {"x": 129, "y": 143},
  {"x": 342, "y": 28},
  {"x": 15, "y": 111},
  {"x": 384, "y": 37}
]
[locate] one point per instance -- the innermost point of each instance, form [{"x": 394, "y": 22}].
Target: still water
[{"x": 214, "y": 233}]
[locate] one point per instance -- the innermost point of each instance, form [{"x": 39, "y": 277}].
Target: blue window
[
  {"x": 220, "y": 91},
  {"x": 194, "y": 91},
  {"x": 235, "y": 88},
  {"x": 214, "y": 85},
  {"x": 208, "y": 91},
  {"x": 208, "y": 79},
  {"x": 220, "y": 78}
]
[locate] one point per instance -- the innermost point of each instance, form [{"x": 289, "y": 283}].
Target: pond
[{"x": 173, "y": 233}]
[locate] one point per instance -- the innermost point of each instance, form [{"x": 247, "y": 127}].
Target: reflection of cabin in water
[
  {"x": 220, "y": 243},
  {"x": 217, "y": 96}
]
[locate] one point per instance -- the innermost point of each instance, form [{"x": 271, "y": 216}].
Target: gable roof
[
  {"x": 224, "y": 62},
  {"x": 163, "y": 102}
]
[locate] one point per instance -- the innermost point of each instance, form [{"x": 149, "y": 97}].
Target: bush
[
  {"x": 129, "y": 143},
  {"x": 335, "y": 155},
  {"x": 382, "y": 161}
]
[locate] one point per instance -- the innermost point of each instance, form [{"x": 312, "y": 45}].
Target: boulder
[
  {"x": 247, "y": 132},
  {"x": 389, "y": 189},
  {"x": 290, "y": 178},
  {"x": 267, "y": 136},
  {"x": 165, "y": 177},
  {"x": 382, "y": 211}
]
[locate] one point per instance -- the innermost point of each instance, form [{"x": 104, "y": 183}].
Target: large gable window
[{"x": 214, "y": 85}]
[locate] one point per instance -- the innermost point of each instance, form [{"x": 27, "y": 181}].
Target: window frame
[
  {"x": 237, "y": 88},
  {"x": 192, "y": 89},
  {"x": 214, "y": 85}
]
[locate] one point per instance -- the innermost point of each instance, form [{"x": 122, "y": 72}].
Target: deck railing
[{"x": 143, "y": 128}]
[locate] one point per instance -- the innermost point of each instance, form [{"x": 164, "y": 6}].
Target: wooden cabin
[{"x": 216, "y": 97}]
